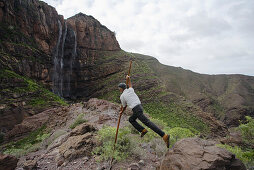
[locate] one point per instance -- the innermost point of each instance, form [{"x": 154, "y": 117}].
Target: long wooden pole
[{"x": 119, "y": 119}]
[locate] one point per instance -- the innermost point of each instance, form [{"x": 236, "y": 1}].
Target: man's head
[{"x": 122, "y": 86}]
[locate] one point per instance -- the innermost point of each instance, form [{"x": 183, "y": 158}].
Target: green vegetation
[
  {"x": 34, "y": 94},
  {"x": 176, "y": 116},
  {"x": 247, "y": 130},
  {"x": 27, "y": 144},
  {"x": 79, "y": 120},
  {"x": 11, "y": 33},
  {"x": 178, "y": 133},
  {"x": 129, "y": 141},
  {"x": 106, "y": 136},
  {"x": 247, "y": 156}
]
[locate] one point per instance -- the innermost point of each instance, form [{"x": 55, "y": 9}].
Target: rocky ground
[
  {"x": 72, "y": 148},
  {"x": 68, "y": 148}
]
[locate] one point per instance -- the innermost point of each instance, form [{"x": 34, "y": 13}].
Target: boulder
[
  {"x": 197, "y": 154},
  {"x": 30, "y": 165},
  {"x": 80, "y": 142},
  {"x": 8, "y": 162},
  {"x": 82, "y": 129},
  {"x": 77, "y": 146}
]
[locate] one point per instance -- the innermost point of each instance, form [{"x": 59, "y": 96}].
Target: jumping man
[{"x": 129, "y": 98}]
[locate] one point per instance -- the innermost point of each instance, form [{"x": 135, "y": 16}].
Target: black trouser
[{"x": 138, "y": 113}]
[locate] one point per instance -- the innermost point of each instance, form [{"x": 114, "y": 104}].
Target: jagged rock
[
  {"x": 82, "y": 129},
  {"x": 134, "y": 166},
  {"x": 8, "y": 162},
  {"x": 77, "y": 146},
  {"x": 197, "y": 154},
  {"x": 30, "y": 165},
  {"x": 104, "y": 106},
  {"x": 141, "y": 162}
]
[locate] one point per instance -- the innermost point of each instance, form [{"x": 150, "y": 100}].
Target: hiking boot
[
  {"x": 143, "y": 133},
  {"x": 166, "y": 140}
]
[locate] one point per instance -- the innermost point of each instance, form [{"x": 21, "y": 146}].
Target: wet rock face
[{"x": 196, "y": 153}]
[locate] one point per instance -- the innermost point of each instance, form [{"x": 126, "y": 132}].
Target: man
[{"x": 129, "y": 98}]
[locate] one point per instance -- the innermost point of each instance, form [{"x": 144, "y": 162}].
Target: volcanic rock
[
  {"x": 30, "y": 165},
  {"x": 79, "y": 145},
  {"x": 91, "y": 34},
  {"x": 34, "y": 18},
  {"x": 82, "y": 129},
  {"x": 8, "y": 162},
  {"x": 197, "y": 154}
]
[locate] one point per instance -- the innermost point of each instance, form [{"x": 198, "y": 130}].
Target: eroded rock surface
[{"x": 197, "y": 154}]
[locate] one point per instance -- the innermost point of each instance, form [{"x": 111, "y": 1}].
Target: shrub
[
  {"x": 27, "y": 144},
  {"x": 246, "y": 156},
  {"x": 79, "y": 120},
  {"x": 177, "y": 133},
  {"x": 48, "y": 141},
  {"x": 106, "y": 136},
  {"x": 247, "y": 130}
]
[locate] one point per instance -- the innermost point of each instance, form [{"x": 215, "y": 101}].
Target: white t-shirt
[{"x": 129, "y": 97}]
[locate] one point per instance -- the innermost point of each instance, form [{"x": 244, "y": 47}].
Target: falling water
[
  {"x": 64, "y": 59},
  {"x": 56, "y": 61}
]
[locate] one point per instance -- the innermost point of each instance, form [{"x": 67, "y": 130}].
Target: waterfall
[
  {"x": 56, "y": 61},
  {"x": 64, "y": 60}
]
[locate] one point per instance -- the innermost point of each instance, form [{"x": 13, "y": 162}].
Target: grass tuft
[{"x": 79, "y": 120}]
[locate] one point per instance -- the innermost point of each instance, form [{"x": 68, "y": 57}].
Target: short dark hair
[{"x": 122, "y": 85}]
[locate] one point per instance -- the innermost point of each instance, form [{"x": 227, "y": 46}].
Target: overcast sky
[{"x": 205, "y": 36}]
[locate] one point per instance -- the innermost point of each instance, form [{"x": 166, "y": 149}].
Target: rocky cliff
[{"x": 38, "y": 44}]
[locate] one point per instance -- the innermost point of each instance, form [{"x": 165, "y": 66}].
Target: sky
[{"x": 205, "y": 36}]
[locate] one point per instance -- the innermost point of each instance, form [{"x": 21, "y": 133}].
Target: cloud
[{"x": 212, "y": 37}]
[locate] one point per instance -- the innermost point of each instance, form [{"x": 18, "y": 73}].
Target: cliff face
[
  {"x": 34, "y": 18},
  {"x": 80, "y": 39},
  {"x": 37, "y": 43},
  {"x": 91, "y": 34},
  {"x": 67, "y": 48}
]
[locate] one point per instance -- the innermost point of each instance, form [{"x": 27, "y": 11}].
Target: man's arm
[{"x": 128, "y": 79}]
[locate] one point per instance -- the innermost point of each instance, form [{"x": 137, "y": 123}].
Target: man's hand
[
  {"x": 122, "y": 109},
  {"x": 128, "y": 81}
]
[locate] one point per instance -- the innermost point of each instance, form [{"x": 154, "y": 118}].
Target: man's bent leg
[{"x": 134, "y": 123}]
